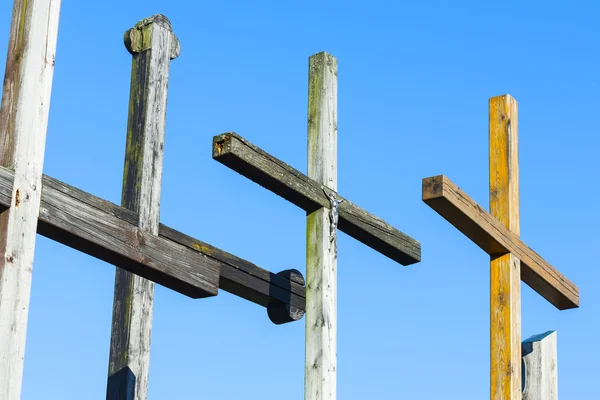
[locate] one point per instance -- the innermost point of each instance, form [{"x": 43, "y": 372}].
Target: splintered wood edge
[{"x": 477, "y": 224}]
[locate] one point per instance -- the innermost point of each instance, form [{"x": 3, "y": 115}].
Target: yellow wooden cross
[{"x": 497, "y": 232}]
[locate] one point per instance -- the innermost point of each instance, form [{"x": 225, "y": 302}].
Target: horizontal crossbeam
[
  {"x": 243, "y": 278},
  {"x": 250, "y": 161},
  {"x": 482, "y": 228},
  {"x": 172, "y": 259}
]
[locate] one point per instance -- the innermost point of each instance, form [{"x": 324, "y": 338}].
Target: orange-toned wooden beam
[
  {"x": 505, "y": 270},
  {"x": 441, "y": 194},
  {"x": 497, "y": 233}
]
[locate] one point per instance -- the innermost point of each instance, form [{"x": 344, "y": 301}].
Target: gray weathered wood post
[
  {"x": 23, "y": 124},
  {"x": 321, "y": 227},
  {"x": 317, "y": 195},
  {"x": 540, "y": 367},
  {"x": 152, "y": 45}
]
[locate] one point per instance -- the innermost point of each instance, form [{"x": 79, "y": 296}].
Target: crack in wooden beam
[
  {"x": 483, "y": 229},
  {"x": 235, "y": 152},
  {"x": 189, "y": 266}
]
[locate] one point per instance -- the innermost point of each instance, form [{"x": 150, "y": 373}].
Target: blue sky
[{"x": 414, "y": 83}]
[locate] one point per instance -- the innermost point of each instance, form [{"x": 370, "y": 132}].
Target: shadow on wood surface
[{"x": 121, "y": 385}]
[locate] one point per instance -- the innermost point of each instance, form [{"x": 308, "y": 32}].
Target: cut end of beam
[
  {"x": 293, "y": 275},
  {"x": 222, "y": 144},
  {"x": 456, "y": 207},
  {"x": 280, "y": 312},
  {"x": 433, "y": 187}
]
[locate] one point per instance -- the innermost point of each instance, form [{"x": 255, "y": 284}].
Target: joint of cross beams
[
  {"x": 448, "y": 200},
  {"x": 239, "y": 154}
]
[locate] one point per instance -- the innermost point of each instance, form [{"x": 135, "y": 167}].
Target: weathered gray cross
[
  {"x": 129, "y": 237},
  {"x": 326, "y": 211}
]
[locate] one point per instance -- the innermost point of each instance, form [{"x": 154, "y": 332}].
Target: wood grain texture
[
  {"x": 150, "y": 42},
  {"x": 111, "y": 233},
  {"x": 505, "y": 270},
  {"x": 89, "y": 224},
  {"x": 483, "y": 229},
  {"x": 540, "y": 367},
  {"x": 235, "y": 152},
  {"x": 504, "y": 161},
  {"x": 321, "y": 242},
  {"x": 243, "y": 278},
  {"x": 23, "y": 124}
]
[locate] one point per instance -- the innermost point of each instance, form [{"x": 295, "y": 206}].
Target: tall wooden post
[
  {"x": 505, "y": 270},
  {"x": 540, "y": 374},
  {"x": 152, "y": 44},
  {"x": 23, "y": 124},
  {"x": 321, "y": 243}
]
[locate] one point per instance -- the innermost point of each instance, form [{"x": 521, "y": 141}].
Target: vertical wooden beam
[
  {"x": 23, "y": 124},
  {"x": 540, "y": 372},
  {"x": 505, "y": 271},
  {"x": 321, "y": 243},
  {"x": 153, "y": 45}
]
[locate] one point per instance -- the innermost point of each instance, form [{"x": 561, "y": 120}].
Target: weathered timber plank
[
  {"x": 505, "y": 275},
  {"x": 23, "y": 124},
  {"x": 243, "y": 278},
  {"x": 320, "y": 369},
  {"x": 540, "y": 372},
  {"x": 235, "y": 152},
  {"x": 110, "y": 233},
  {"x": 237, "y": 276},
  {"x": 483, "y": 229},
  {"x": 151, "y": 43}
]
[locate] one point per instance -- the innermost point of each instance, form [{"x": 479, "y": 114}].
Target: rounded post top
[{"x": 139, "y": 38}]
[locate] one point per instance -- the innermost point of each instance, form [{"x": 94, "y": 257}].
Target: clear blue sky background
[{"x": 414, "y": 83}]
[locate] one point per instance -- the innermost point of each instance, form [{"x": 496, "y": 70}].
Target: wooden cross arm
[
  {"x": 111, "y": 233},
  {"x": 250, "y": 161},
  {"x": 177, "y": 261},
  {"x": 244, "y": 279},
  {"x": 482, "y": 228}
]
